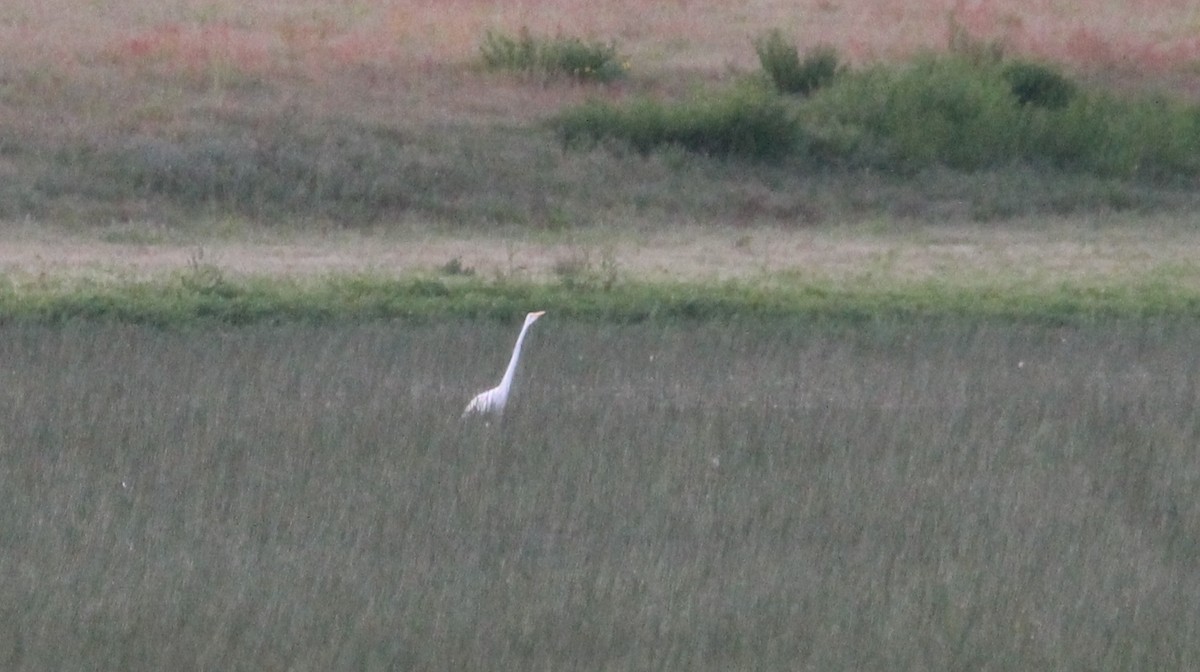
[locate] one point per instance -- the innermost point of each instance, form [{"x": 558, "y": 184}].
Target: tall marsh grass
[{"x": 902, "y": 495}]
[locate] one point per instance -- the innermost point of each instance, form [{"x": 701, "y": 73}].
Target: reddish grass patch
[
  {"x": 1147, "y": 35},
  {"x": 196, "y": 49},
  {"x": 317, "y": 44}
]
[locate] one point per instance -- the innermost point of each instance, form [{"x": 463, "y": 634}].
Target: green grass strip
[{"x": 182, "y": 300}]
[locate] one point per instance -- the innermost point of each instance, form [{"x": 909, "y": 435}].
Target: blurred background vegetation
[{"x": 555, "y": 130}]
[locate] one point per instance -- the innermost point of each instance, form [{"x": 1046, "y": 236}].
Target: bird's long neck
[{"x": 506, "y": 381}]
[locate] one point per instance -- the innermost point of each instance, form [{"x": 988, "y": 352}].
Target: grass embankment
[
  {"x": 194, "y": 298},
  {"x": 171, "y": 122},
  {"x": 943, "y": 137}
]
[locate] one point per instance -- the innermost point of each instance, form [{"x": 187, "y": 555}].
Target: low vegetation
[
  {"x": 742, "y": 122},
  {"x": 967, "y": 133},
  {"x": 1038, "y": 84},
  {"x": 559, "y": 56},
  {"x": 963, "y": 114},
  {"x": 958, "y": 111},
  {"x": 789, "y": 73}
]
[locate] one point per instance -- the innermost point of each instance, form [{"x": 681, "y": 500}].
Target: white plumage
[{"x": 494, "y": 400}]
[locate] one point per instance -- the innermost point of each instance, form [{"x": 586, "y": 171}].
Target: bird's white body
[{"x": 494, "y": 400}]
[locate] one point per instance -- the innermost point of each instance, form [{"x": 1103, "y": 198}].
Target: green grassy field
[
  {"x": 899, "y": 496},
  {"x": 897, "y": 374}
]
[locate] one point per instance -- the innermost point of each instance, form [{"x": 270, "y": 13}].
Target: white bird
[{"x": 494, "y": 400}]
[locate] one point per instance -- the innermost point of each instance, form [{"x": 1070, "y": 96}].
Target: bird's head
[{"x": 532, "y": 317}]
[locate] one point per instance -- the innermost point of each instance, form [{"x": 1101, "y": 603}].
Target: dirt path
[{"x": 1050, "y": 255}]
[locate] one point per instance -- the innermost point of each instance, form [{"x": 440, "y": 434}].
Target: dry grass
[
  {"x": 96, "y": 76},
  {"x": 1083, "y": 251},
  {"x": 95, "y": 98},
  {"x": 142, "y": 81},
  {"x": 363, "y": 57},
  {"x": 703, "y": 34}
]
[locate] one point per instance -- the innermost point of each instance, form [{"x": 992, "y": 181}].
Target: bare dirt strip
[{"x": 1070, "y": 252}]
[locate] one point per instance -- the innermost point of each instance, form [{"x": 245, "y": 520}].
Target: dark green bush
[
  {"x": 560, "y": 56},
  {"x": 743, "y": 122},
  {"x": 782, "y": 64},
  {"x": 1038, "y": 84}
]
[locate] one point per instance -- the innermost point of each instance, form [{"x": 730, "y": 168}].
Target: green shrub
[
  {"x": 782, "y": 64},
  {"x": 969, "y": 113},
  {"x": 561, "y": 56},
  {"x": 505, "y": 52},
  {"x": 1039, "y": 85},
  {"x": 744, "y": 122},
  {"x": 1107, "y": 135},
  {"x": 940, "y": 110}
]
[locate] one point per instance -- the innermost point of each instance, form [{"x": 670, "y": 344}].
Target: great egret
[{"x": 494, "y": 400}]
